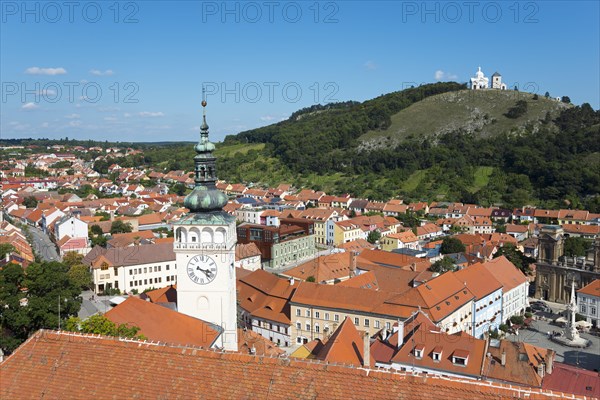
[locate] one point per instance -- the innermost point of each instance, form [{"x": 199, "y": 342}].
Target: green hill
[
  {"x": 435, "y": 141},
  {"x": 472, "y": 111}
]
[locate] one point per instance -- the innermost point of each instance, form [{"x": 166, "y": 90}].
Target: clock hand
[{"x": 206, "y": 272}]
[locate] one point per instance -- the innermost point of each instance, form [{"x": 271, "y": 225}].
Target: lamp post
[{"x": 59, "y": 311}]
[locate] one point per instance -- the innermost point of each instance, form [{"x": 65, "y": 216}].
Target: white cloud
[
  {"x": 151, "y": 114},
  {"x": 110, "y": 119},
  {"x": 45, "y": 125},
  {"x": 45, "y": 71},
  {"x": 127, "y": 115},
  {"x": 29, "y": 106},
  {"x": 74, "y": 123},
  {"x": 370, "y": 65},
  {"x": 446, "y": 76},
  {"x": 267, "y": 118},
  {"x": 73, "y": 116},
  {"x": 17, "y": 126},
  {"x": 97, "y": 72}
]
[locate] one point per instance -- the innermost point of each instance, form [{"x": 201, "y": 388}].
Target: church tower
[{"x": 205, "y": 249}]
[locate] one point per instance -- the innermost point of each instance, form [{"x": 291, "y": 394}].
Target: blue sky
[{"x": 133, "y": 71}]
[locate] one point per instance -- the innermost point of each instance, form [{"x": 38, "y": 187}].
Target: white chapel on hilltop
[{"x": 480, "y": 81}]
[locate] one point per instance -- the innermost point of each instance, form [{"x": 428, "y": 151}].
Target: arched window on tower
[
  {"x": 220, "y": 235},
  {"x": 207, "y": 236}
]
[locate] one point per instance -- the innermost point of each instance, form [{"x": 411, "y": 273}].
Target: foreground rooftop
[{"x": 53, "y": 364}]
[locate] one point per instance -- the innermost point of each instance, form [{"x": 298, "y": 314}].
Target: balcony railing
[{"x": 201, "y": 246}]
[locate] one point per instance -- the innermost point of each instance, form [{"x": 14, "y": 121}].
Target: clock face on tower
[{"x": 202, "y": 269}]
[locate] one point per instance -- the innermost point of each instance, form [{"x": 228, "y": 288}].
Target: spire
[{"x": 205, "y": 197}]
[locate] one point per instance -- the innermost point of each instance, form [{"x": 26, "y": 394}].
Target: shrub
[
  {"x": 528, "y": 315},
  {"x": 517, "y": 319},
  {"x": 503, "y": 327}
]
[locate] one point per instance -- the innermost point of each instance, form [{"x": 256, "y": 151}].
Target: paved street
[
  {"x": 288, "y": 266},
  {"x": 89, "y": 306},
  {"x": 42, "y": 245},
  {"x": 537, "y": 334}
]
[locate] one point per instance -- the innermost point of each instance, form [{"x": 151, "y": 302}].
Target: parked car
[{"x": 540, "y": 306}]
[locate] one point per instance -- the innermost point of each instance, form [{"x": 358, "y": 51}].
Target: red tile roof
[
  {"x": 57, "y": 365},
  {"x": 162, "y": 324},
  {"x": 504, "y": 271},
  {"x": 345, "y": 346},
  {"x": 570, "y": 379},
  {"x": 421, "y": 333},
  {"x": 592, "y": 289}
]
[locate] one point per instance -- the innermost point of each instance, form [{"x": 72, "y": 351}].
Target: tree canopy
[
  {"x": 452, "y": 245},
  {"x": 25, "y": 311}
]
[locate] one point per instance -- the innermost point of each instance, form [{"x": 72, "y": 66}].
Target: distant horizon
[
  {"x": 191, "y": 141},
  {"x": 135, "y": 70}
]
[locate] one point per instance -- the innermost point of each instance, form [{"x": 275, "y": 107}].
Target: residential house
[
  {"x": 426, "y": 348},
  {"x": 487, "y": 305},
  {"x": 247, "y": 256},
  {"x": 400, "y": 240},
  {"x": 515, "y": 286},
  {"x": 519, "y": 232},
  {"x": 130, "y": 269},
  {"x": 263, "y": 305},
  {"x": 588, "y": 301},
  {"x": 346, "y": 231},
  {"x": 292, "y": 241},
  {"x": 429, "y": 231},
  {"x": 70, "y": 225}
]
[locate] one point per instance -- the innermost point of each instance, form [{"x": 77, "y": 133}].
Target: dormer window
[
  {"x": 418, "y": 351},
  {"x": 460, "y": 357},
  {"x": 437, "y": 354}
]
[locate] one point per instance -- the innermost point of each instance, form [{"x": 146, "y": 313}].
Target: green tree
[
  {"x": 373, "y": 236},
  {"x": 119, "y": 226},
  {"x": 452, "y": 245},
  {"x": 519, "y": 109},
  {"x": 30, "y": 202},
  {"x": 96, "y": 230},
  {"x": 6, "y": 248},
  {"x": 516, "y": 257},
  {"x": 100, "y": 325},
  {"x": 48, "y": 288},
  {"x": 443, "y": 265},
  {"x": 72, "y": 258},
  {"x": 81, "y": 276},
  {"x": 310, "y": 279},
  {"x": 576, "y": 246},
  {"x": 566, "y": 99},
  {"x": 179, "y": 189}
]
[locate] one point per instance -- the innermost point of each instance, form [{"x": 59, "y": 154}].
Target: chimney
[
  {"x": 367, "y": 350},
  {"x": 292, "y": 281},
  {"x": 549, "y": 361},
  {"x": 413, "y": 266},
  {"x": 352, "y": 265},
  {"x": 541, "y": 369},
  {"x": 400, "y": 330},
  {"x": 503, "y": 358}
]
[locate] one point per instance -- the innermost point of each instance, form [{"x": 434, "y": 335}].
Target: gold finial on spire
[{"x": 203, "y": 97}]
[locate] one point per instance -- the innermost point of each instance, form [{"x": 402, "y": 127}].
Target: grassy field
[
  {"x": 482, "y": 177},
  {"x": 479, "y": 112},
  {"x": 241, "y": 148}
]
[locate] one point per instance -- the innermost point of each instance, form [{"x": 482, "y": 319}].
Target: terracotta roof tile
[
  {"x": 162, "y": 324},
  {"x": 592, "y": 289}
]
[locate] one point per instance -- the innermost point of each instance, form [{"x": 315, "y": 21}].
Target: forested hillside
[{"x": 539, "y": 155}]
